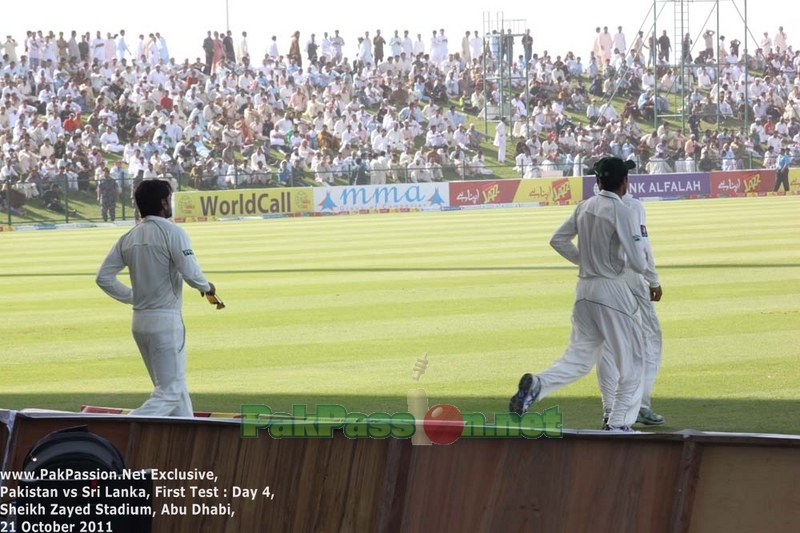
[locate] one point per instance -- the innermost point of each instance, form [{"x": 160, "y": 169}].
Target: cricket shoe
[
  {"x": 620, "y": 429},
  {"x": 527, "y": 392},
  {"x": 606, "y": 416},
  {"x": 649, "y": 418}
]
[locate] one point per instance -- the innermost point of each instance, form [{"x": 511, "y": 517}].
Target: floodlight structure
[{"x": 500, "y": 36}]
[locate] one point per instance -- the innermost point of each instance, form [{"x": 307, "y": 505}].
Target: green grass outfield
[{"x": 337, "y": 309}]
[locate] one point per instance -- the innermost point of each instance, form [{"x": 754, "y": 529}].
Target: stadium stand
[{"x": 401, "y": 110}]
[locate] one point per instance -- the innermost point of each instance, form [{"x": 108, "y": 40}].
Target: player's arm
[
  {"x": 182, "y": 255},
  {"x": 630, "y": 237},
  {"x": 561, "y": 241},
  {"x": 650, "y": 274},
  {"x": 107, "y": 280}
]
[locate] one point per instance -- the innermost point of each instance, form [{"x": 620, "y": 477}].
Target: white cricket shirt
[
  {"x": 608, "y": 236},
  {"x": 159, "y": 258}
]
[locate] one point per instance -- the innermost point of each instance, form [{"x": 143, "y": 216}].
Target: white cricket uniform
[
  {"x": 159, "y": 258},
  {"x": 500, "y": 142},
  {"x": 605, "y": 311},
  {"x": 607, "y": 374}
]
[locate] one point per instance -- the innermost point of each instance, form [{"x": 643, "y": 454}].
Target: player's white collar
[{"x": 609, "y": 194}]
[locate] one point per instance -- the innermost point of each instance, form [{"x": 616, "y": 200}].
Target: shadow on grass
[{"x": 729, "y": 415}]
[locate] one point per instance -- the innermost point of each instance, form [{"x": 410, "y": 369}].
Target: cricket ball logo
[
  {"x": 441, "y": 424},
  {"x": 186, "y": 205},
  {"x": 302, "y": 200}
]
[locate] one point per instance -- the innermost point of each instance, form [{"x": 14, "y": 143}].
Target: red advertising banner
[
  {"x": 482, "y": 192},
  {"x": 742, "y": 182}
]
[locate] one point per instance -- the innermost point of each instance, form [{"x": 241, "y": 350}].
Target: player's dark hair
[
  {"x": 611, "y": 172},
  {"x": 149, "y": 194},
  {"x": 612, "y": 182}
]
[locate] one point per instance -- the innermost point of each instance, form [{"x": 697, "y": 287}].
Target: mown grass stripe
[{"x": 339, "y": 308}]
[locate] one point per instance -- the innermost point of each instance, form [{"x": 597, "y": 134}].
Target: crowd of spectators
[{"x": 75, "y": 109}]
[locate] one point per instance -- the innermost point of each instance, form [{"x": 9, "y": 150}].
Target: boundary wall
[
  {"x": 245, "y": 204},
  {"x": 257, "y": 204},
  {"x": 688, "y": 482}
]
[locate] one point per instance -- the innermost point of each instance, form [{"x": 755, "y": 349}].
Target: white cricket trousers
[
  {"x": 161, "y": 338},
  {"x": 605, "y": 313},
  {"x": 501, "y": 151},
  {"x": 607, "y": 374}
]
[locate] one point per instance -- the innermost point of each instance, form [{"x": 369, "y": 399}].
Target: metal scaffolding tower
[
  {"x": 498, "y": 68},
  {"x": 683, "y": 47}
]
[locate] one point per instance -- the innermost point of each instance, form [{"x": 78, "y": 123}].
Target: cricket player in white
[
  {"x": 605, "y": 311},
  {"x": 159, "y": 258},
  {"x": 647, "y": 290}
]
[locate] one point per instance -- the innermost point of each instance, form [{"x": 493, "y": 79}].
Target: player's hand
[
  {"x": 655, "y": 294},
  {"x": 210, "y": 291}
]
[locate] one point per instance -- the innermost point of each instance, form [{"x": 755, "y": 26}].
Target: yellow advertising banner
[
  {"x": 794, "y": 180},
  {"x": 552, "y": 191},
  {"x": 212, "y": 205}
]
